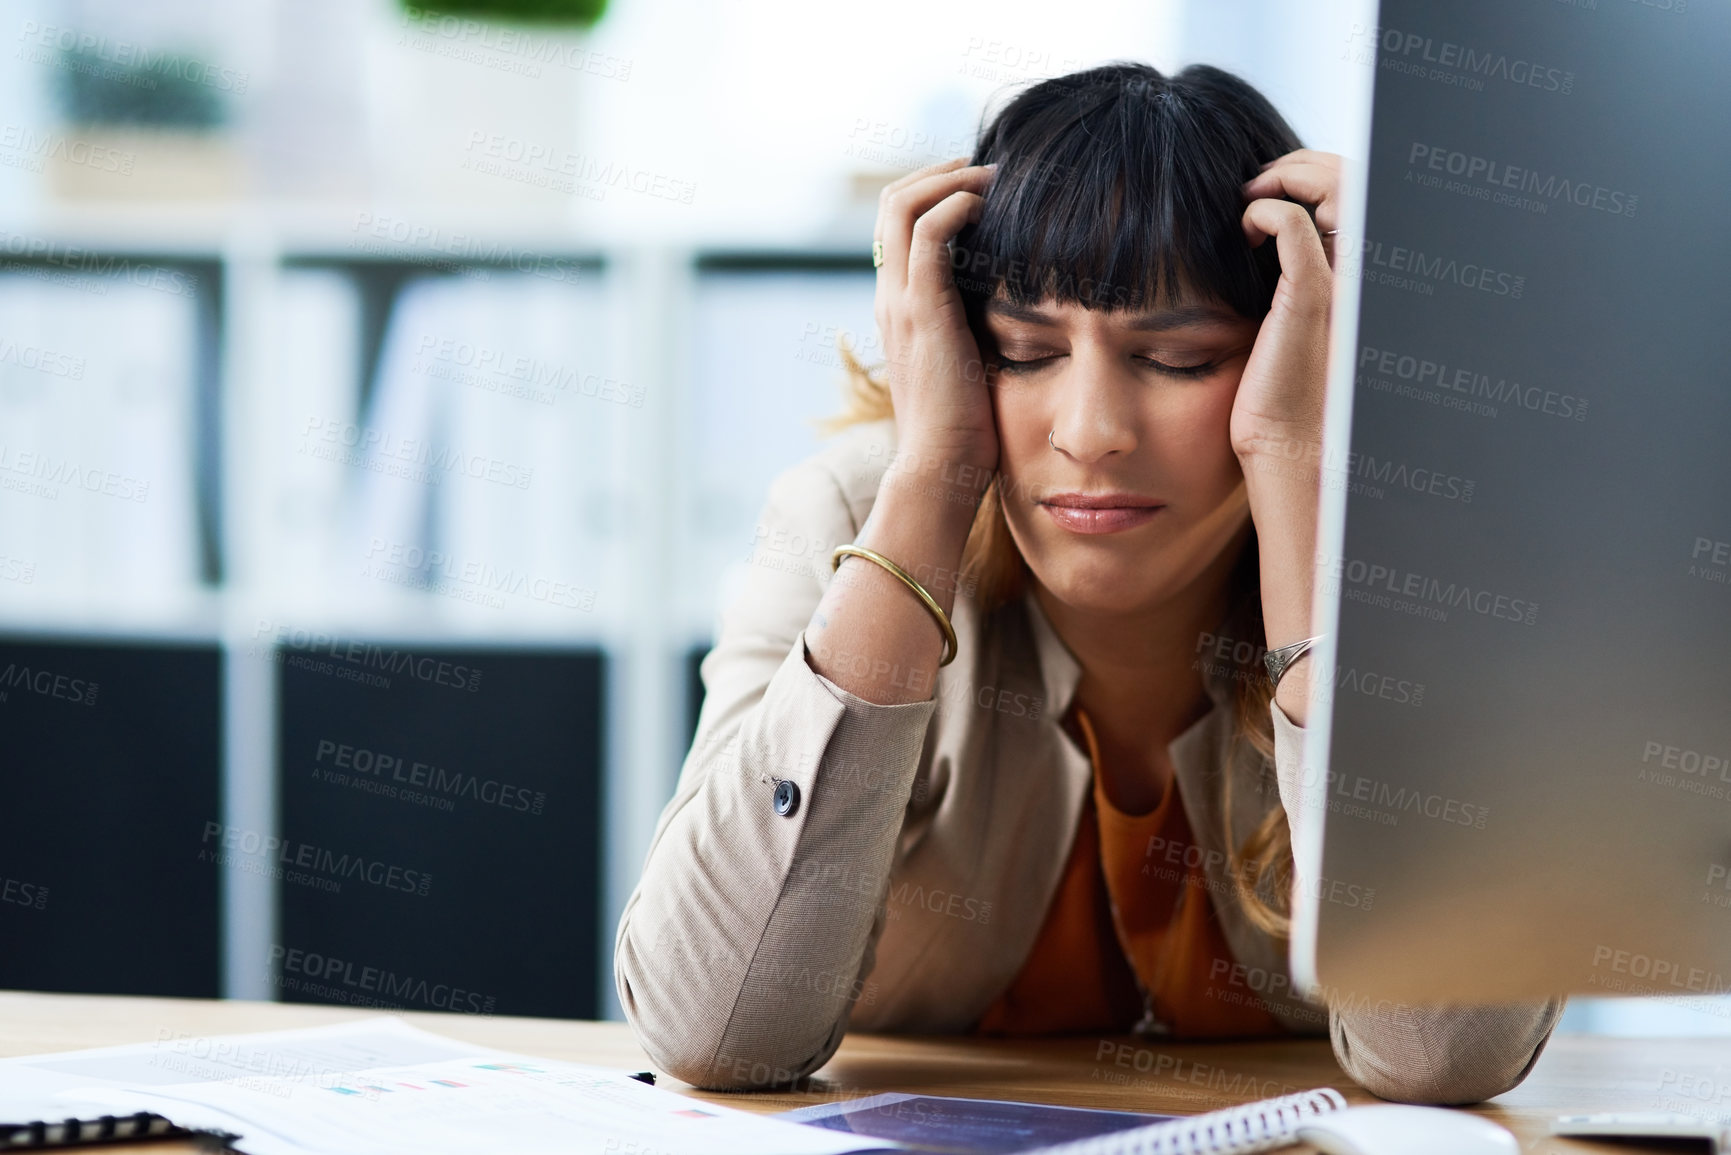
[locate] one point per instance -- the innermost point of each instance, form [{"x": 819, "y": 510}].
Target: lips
[{"x": 1100, "y": 512}]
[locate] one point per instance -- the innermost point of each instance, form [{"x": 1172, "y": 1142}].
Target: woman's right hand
[{"x": 936, "y": 377}]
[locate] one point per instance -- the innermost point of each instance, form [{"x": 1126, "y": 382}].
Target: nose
[{"x": 1095, "y": 412}]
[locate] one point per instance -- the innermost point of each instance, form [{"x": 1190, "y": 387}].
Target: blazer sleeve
[
  {"x": 747, "y": 941},
  {"x": 1417, "y": 1054}
]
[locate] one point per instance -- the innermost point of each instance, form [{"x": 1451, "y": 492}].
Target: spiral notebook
[
  {"x": 954, "y": 1126},
  {"x": 1237, "y": 1131}
]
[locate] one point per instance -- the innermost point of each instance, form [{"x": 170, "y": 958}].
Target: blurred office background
[{"x": 386, "y": 400}]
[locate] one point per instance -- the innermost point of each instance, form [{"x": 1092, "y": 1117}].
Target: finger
[
  {"x": 929, "y": 275},
  {"x": 880, "y": 302},
  {"x": 894, "y": 283},
  {"x": 1301, "y": 180},
  {"x": 1302, "y": 260},
  {"x": 1305, "y": 156},
  {"x": 904, "y": 206},
  {"x": 1310, "y": 185},
  {"x": 903, "y": 181}
]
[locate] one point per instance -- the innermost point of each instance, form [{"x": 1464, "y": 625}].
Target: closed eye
[
  {"x": 1012, "y": 366},
  {"x": 1201, "y": 370},
  {"x": 1009, "y": 366}
]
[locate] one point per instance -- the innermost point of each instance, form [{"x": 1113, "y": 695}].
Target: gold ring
[{"x": 877, "y": 254}]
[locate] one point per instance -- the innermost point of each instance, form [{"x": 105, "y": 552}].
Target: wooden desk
[{"x": 1575, "y": 1074}]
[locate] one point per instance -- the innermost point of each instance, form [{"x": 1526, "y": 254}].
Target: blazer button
[{"x": 786, "y": 798}]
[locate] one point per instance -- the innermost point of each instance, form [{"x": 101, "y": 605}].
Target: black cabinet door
[
  {"x": 110, "y": 772},
  {"x": 438, "y": 843}
]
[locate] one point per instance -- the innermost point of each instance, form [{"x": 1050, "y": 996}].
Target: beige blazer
[{"x": 907, "y": 888}]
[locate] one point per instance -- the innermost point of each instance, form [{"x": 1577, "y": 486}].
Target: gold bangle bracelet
[{"x": 842, "y": 551}]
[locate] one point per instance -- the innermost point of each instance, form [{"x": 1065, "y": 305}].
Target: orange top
[{"x": 1132, "y": 913}]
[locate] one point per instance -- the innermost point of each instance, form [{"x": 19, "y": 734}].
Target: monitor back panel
[{"x": 1528, "y": 788}]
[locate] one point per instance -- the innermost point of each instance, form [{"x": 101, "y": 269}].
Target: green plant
[{"x": 580, "y": 13}]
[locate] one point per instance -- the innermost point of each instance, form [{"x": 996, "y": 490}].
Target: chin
[{"x": 1103, "y": 586}]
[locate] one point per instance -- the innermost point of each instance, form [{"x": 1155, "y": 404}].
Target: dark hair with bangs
[{"x": 1119, "y": 188}]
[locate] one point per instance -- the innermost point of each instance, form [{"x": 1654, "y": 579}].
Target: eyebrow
[{"x": 1177, "y": 317}]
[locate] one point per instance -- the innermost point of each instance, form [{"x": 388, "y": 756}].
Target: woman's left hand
[
  {"x": 1278, "y": 408},
  {"x": 1277, "y": 413}
]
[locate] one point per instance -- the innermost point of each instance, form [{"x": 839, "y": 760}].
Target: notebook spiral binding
[
  {"x": 1236, "y": 1131},
  {"x": 62, "y": 1133},
  {"x": 71, "y": 1132}
]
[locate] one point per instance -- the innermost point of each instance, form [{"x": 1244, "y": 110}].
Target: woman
[{"x": 1105, "y": 337}]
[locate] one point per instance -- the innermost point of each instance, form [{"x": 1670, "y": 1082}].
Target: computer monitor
[{"x": 1523, "y": 753}]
